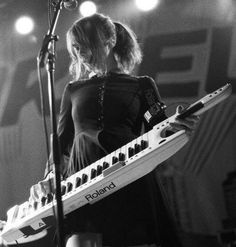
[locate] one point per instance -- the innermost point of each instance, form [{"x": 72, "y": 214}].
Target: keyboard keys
[
  {"x": 49, "y": 198},
  {"x": 105, "y": 165},
  {"x": 63, "y": 189},
  {"x": 137, "y": 148},
  {"x": 96, "y": 170},
  {"x": 121, "y": 157},
  {"x": 130, "y": 152},
  {"x": 78, "y": 182},
  {"x": 144, "y": 144},
  {"x": 99, "y": 170},
  {"x": 93, "y": 173},
  {"x": 69, "y": 187},
  {"x": 114, "y": 160},
  {"x": 43, "y": 201},
  {"x": 84, "y": 178}
]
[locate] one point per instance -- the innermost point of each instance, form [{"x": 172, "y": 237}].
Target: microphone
[{"x": 70, "y": 4}]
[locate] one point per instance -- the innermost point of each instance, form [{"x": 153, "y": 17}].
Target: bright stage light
[
  {"x": 24, "y": 25},
  {"x": 88, "y": 8},
  {"x": 146, "y": 5}
]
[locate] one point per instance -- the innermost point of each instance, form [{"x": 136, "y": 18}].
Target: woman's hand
[
  {"x": 42, "y": 189},
  {"x": 188, "y": 124},
  {"x": 2, "y": 224}
]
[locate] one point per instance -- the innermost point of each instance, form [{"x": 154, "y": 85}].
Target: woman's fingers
[
  {"x": 2, "y": 224},
  {"x": 179, "y": 108},
  {"x": 177, "y": 127},
  {"x": 34, "y": 195},
  {"x": 39, "y": 190},
  {"x": 188, "y": 124}
]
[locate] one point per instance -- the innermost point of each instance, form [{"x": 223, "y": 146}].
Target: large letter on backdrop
[
  {"x": 22, "y": 91},
  {"x": 154, "y": 63},
  {"x": 219, "y": 59}
]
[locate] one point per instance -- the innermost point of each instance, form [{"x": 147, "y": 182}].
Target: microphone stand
[{"x": 47, "y": 56}]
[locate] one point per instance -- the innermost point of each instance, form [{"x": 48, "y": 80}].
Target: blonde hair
[
  {"x": 127, "y": 49},
  {"x": 86, "y": 42}
]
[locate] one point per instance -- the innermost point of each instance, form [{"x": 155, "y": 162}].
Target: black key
[
  {"x": 114, "y": 160},
  {"x": 105, "y": 165},
  {"x": 63, "y": 190},
  {"x": 78, "y": 182},
  {"x": 144, "y": 144},
  {"x": 84, "y": 178},
  {"x": 49, "y": 198},
  {"x": 131, "y": 152},
  {"x": 137, "y": 148},
  {"x": 43, "y": 200},
  {"x": 99, "y": 170},
  {"x": 121, "y": 157},
  {"x": 69, "y": 187},
  {"x": 93, "y": 173}
]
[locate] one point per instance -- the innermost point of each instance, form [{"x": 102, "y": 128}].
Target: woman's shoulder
[
  {"x": 123, "y": 77},
  {"x": 139, "y": 78},
  {"x": 145, "y": 78},
  {"x": 76, "y": 84},
  {"x": 143, "y": 81},
  {"x": 111, "y": 78},
  {"x": 146, "y": 82}
]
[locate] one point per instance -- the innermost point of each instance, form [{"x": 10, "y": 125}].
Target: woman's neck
[{"x": 113, "y": 65}]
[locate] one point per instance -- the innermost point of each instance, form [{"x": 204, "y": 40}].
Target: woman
[{"x": 102, "y": 110}]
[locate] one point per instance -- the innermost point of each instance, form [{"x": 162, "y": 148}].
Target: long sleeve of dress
[{"x": 153, "y": 107}]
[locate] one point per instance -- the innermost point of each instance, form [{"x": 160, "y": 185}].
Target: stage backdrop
[{"x": 190, "y": 50}]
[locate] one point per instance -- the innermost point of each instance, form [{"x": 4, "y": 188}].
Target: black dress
[{"x": 98, "y": 116}]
